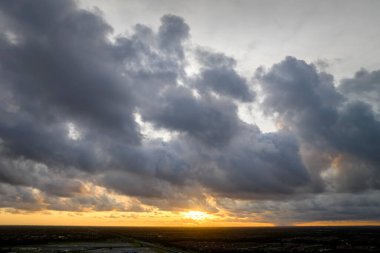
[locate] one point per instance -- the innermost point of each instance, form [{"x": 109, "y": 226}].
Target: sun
[{"x": 196, "y": 215}]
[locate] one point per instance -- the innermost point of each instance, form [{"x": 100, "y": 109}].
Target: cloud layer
[{"x": 74, "y": 102}]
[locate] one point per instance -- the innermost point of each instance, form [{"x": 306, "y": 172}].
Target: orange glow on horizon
[
  {"x": 148, "y": 219},
  {"x": 113, "y": 218},
  {"x": 197, "y": 215}
]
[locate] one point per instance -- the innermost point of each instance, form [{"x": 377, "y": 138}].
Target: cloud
[
  {"x": 319, "y": 207},
  {"x": 257, "y": 165},
  {"x": 69, "y": 95},
  {"x": 218, "y": 74},
  {"x": 63, "y": 59},
  {"x": 212, "y": 121},
  {"x": 171, "y": 34},
  {"x": 364, "y": 87},
  {"x": 307, "y": 103}
]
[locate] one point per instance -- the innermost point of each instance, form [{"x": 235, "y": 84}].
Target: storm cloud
[{"x": 75, "y": 100}]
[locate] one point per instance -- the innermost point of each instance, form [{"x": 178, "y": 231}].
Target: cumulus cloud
[
  {"x": 307, "y": 102},
  {"x": 319, "y": 207},
  {"x": 364, "y": 87},
  {"x": 218, "y": 74},
  {"x": 69, "y": 95},
  {"x": 212, "y": 121}
]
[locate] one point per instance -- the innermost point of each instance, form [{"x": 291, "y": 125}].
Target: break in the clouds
[{"x": 77, "y": 100}]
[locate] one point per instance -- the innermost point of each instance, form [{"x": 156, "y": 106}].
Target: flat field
[{"x": 164, "y": 239}]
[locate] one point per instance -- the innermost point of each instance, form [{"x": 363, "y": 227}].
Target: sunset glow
[
  {"x": 189, "y": 113},
  {"x": 196, "y": 215}
]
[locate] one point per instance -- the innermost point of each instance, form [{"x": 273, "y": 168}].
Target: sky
[{"x": 189, "y": 113}]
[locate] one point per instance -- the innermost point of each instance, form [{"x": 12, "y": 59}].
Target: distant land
[{"x": 196, "y": 239}]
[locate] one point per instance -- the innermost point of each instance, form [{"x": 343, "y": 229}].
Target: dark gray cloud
[
  {"x": 302, "y": 97},
  {"x": 62, "y": 59},
  {"x": 319, "y": 207},
  {"x": 357, "y": 131},
  {"x": 218, "y": 74},
  {"x": 69, "y": 96},
  {"x": 29, "y": 199},
  {"x": 172, "y": 33},
  {"x": 212, "y": 121},
  {"x": 60, "y": 180},
  {"x": 23, "y": 198},
  {"x": 306, "y": 102},
  {"x": 256, "y": 165},
  {"x": 364, "y": 87}
]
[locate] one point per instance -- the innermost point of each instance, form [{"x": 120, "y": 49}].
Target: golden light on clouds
[
  {"x": 145, "y": 121},
  {"x": 197, "y": 215},
  {"x": 115, "y": 218},
  {"x": 151, "y": 218}
]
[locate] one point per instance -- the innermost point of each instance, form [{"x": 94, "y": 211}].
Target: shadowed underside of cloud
[{"x": 69, "y": 96}]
